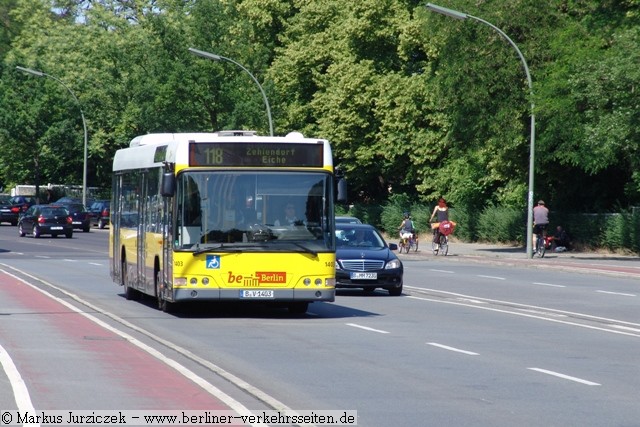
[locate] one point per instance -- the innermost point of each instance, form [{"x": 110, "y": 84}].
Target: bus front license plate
[
  {"x": 364, "y": 276},
  {"x": 256, "y": 294}
]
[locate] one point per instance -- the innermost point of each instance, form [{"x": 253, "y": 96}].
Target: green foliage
[
  {"x": 502, "y": 224},
  {"x": 416, "y": 104}
]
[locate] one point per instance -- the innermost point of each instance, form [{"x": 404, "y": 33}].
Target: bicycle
[
  {"x": 440, "y": 242},
  {"x": 440, "y": 245},
  {"x": 541, "y": 243},
  {"x": 408, "y": 242}
]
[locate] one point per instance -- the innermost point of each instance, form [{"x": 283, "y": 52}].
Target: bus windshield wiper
[
  {"x": 221, "y": 247},
  {"x": 306, "y": 249}
]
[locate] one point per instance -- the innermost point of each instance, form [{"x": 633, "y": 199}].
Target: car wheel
[
  {"x": 69, "y": 235},
  {"x": 21, "y": 231},
  {"x": 14, "y": 223},
  {"x": 395, "y": 291},
  {"x": 101, "y": 224},
  {"x": 54, "y": 235},
  {"x": 36, "y": 232},
  {"x": 86, "y": 229}
]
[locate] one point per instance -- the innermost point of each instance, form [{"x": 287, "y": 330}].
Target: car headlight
[{"x": 394, "y": 263}]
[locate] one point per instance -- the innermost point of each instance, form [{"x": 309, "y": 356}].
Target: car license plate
[
  {"x": 364, "y": 276},
  {"x": 256, "y": 294},
  {"x": 56, "y": 228},
  {"x": 77, "y": 222}
]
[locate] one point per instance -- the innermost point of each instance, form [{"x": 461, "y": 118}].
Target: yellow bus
[{"x": 227, "y": 215}]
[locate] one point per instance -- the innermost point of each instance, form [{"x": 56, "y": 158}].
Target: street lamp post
[
  {"x": 84, "y": 124},
  {"x": 215, "y": 57},
  {"x": 462, "y": 16}
]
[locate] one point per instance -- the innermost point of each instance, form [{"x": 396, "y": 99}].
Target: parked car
[
  {"x": 347, "y": 220},
  {"x": 100, "y": 211},
  {"x": 13, "y": 207},
  {"x": 80, "y": 216},
  {"x": 364, "y": 260},
  {"x": 68, "y": 200},
  {"x": 45, "y": 219}
]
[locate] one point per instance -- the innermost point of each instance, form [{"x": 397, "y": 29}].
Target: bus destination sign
[{"x": 255, "y": 154}]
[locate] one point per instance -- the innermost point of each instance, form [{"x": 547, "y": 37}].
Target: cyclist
[
  {"x": 540, "y": 222},
  {"x": 406, "y": 227},
  {"x": 441, "y": 210}
]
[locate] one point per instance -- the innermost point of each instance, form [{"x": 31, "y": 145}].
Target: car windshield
[
  {"x": 53, "y": 211},
  {"x": 358, "y": 237},
  {"x": 272, "y": 211},
  {"x": 75, "y": 208}
]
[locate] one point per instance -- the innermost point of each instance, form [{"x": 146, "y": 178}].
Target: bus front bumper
[{"x": 280, "y": 295}]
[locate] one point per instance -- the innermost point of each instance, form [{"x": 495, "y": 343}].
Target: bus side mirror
[
  {"x": 342, "y": 190},
  {"x": 168, "y": 187}
]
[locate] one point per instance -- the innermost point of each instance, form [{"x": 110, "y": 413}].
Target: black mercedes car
[{"x": 365, "y": 261}]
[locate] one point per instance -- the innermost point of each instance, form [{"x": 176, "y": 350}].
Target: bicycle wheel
[
  {"x": 444, "y": 245},
  {"x": 415, "y": 245},
  {"x": 435, "y": 247},
  {"x": 540, "y": 247}
]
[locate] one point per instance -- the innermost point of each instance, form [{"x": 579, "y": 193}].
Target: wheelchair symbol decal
[{"x": 213, "y": 261}]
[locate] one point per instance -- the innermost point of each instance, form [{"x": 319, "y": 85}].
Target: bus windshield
[{"x": 253, "y": 211}]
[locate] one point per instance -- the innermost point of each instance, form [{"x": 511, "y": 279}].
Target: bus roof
[{"x": 153, "y": 149}]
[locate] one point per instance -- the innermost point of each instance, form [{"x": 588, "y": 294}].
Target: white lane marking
[
  {"x": 43, "y": 256},
  {"x": 457, "y": 350},
  {"x": 625, "y": 328},
  {"x": 563, "y": 376},
  {"x": 95, "y": 263},
  {"x": 367, "y": 328},
  {"x": 210, "y": 388},
  {"x": 20, "y": 391},
  {"x": 441, "y": 271},
  {"x": 544, "y": 313},
  {"x": 534, "y": 316},
  {"x": 471, "y": 300},
  {"x": 617, "y": 293},
  {"x": 70, "y": 260},
  {"x": 491, "y": 277},
  {"x": 549, "y": 284}
]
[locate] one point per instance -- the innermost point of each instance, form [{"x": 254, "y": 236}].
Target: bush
[{"x": 502, "y": 224}]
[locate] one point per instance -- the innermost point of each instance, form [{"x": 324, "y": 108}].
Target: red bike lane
[{"x": 68, "y": 361}]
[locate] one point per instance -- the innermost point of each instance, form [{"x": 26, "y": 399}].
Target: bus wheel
[
  {"x": 163, "y": 304},
  {"x": 298, "y": 307},
  {"x": 129, "y": 293}
]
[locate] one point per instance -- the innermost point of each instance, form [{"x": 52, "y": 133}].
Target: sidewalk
[{"x": 587, "y": 262}]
